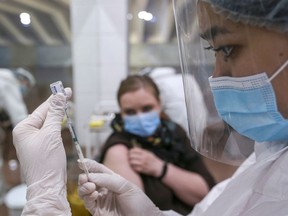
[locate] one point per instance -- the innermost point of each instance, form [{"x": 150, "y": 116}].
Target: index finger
[
  {"x": 136, "y": 151},
  {"x": 95, "y": 167}
]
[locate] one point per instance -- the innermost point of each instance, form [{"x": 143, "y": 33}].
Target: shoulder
[
  {"x": 116, "y": 138},
  {"x": 117, "y": 151},
  {"x": 116, "y": 157},
  {"x": 115, "y": 142}
]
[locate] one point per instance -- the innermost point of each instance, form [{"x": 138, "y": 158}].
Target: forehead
[
  {"x": 138, "y": 98},
  {"x": 212, "y": 24}
]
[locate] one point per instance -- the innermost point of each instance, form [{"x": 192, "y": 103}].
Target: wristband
[{"x": 164, "y": 170}]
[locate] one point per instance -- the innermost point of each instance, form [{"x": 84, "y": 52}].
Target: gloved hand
[
  {"x": 107, "y": 193},
  {"x": 42, "y": 158}
]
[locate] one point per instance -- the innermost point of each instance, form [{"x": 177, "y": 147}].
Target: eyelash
[{"x": 227, "y": 50}]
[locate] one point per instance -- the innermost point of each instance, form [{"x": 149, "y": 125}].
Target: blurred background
[{"x": 90, "y": 45}]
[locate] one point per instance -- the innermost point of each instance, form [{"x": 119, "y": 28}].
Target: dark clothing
[{"x": 169, "y": 143}]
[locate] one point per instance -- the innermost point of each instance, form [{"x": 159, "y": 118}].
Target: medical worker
[
  {"x": 13, "y": 83},
  {"x": 241, "y": 59}
]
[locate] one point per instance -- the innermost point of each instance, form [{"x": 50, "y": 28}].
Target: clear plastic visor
[{"x": 209, "y": 134}]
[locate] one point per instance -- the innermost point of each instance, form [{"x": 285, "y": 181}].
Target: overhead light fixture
[
  {"x": 145, "y": 15},
  {"x": 25, "y": 18}
]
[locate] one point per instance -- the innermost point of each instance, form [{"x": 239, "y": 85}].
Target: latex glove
[
  {"x": 107, "y": 193},
  {"x": 146, "y": 162},
  {"x": 42, "y": 158}
]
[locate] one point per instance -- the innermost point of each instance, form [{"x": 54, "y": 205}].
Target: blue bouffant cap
[{"x": 271, "y": 14}]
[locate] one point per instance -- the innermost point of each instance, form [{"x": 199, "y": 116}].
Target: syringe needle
[
  {"x": 75, "y": 141},
  {"x": 81, "y": 157},
  {"x": 58, "y": 87}
]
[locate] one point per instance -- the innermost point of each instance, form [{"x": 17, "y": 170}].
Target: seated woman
[{"x": 153, "y": 152}]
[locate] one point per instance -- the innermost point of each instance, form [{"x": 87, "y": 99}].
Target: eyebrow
[{"x": 213, "y": 32}]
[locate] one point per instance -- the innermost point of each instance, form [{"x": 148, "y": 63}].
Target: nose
[
  {"x": 221, "y": 67},
  {"x": 139, "y": 113}
]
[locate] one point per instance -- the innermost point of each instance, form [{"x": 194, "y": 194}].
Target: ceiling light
[
  {"x": 145, "y": 15},
  {"x": 25, "y": 18}
]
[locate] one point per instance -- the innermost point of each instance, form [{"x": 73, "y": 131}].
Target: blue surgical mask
[
  {"x": 248, "y": 104},
  {"x": 143, "y": 125}
]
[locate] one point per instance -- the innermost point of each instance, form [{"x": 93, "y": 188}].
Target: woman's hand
[{"x": 145, "y": 162}]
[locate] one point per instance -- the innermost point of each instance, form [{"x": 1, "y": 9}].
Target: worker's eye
[{"x": 226, "y": 50}]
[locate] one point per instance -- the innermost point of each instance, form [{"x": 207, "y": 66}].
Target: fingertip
[
  {"x": 86, "y": 188},
  {"x": 82, "y": 179},
  {"x": 86, "y": 162},
  {"x": 94, "y": 195},
  {"x": 68, "y": 92},
  {"x": 81, "y": 164}
]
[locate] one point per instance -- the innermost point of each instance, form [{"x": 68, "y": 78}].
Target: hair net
[{"x": 271, "y": 14}]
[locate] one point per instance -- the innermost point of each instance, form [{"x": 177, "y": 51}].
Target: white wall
[{"x": 99, "y": 54}]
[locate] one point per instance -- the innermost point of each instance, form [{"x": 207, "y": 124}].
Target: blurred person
[
  {"x": 153, "y": 152},
  {"x": 14, "y": 85},
  {"x": 172, "y": 95},
  {"x": 170, "y": 84},
  {"x": 248, "y": 86}
]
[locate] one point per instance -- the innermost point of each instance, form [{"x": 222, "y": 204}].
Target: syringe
[{"x": 58, "y": 87}]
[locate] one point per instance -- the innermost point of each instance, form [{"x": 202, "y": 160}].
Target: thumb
[
  {"x": 32, "y": 123},
  {"x": 36, "y": 119}
]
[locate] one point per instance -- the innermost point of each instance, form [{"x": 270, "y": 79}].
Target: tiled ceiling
[
  {"x": 161, "y": 29},
  {"x": 50, "y": 22}
]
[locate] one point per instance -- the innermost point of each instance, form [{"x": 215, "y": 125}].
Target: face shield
[{"x": 209, "y": 134}]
